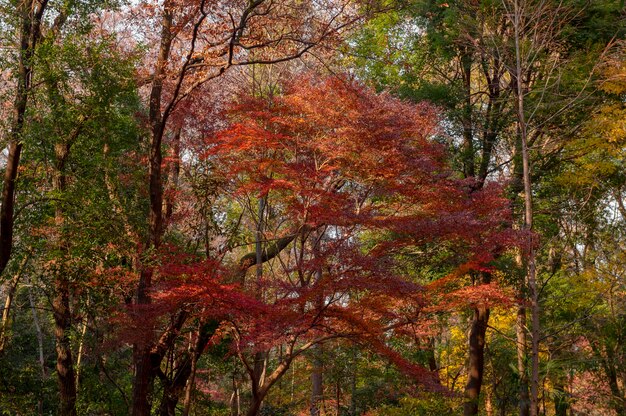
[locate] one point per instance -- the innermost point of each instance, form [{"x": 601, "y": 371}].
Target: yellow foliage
[
  {"x": 614, "y": 76},
  {"x": 453, "y": 357}
]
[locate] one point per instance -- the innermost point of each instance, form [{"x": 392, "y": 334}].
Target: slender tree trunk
[
  {"x": 524, "y": 400},
  {"x": 168, "y": 401},
  {"x": 260, "y": 358},
  {"x": 338, "y": 396},
  {"x": 6, "y": 312},
  {"x": 432, "y": 359},
  {"x": 190, "y": 384},
  {"x": 521, "y": 346},
  {"x": 174, "y": 173},
  {"x": 7, "y": 206},
  {"x": 521, "y": 329},
  {"x": 489, "y": 403},
  {"x": 353, "y": 383},
  {"x": 142, "y": 383},
  {"x": 30, "y": 17},
  {"x": 15, "y": 144},
  {"x": 293, "y": 382},
  {"x": 81, "y": 350},
  {"x": 528, "y": 214},
  {"x": 317, "y": 386},
  {"x": 42, "y": 361},
  {"x": 476, "y": 361},
  {"x": 259, "y": 392},
  {"x": 235, "y": 404},
  {"x": 605, "y": 354},
  {"x": 469, "y": 168},
  {"x": 258, "y": 244}
]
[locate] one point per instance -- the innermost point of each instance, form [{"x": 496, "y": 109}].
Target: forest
[{"x": 324, "y": 207}]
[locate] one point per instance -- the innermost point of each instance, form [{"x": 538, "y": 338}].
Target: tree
[
  {"x": 348, "y": 163},
  {"x": 214, "y": 37}
]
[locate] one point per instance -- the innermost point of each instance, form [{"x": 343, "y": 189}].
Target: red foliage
[
  {"x": 338, "y": 160},
  {"x": 357, "y": 177}
]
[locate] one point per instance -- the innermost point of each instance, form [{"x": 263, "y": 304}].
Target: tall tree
[
  {"x": 29, "y": 18},
  {"x": 212, "y": 38},
  {"x": 84, "y": 93},
  {"x": 304, "y": 154}
]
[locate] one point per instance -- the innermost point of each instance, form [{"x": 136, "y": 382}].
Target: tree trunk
[
  {"x": 142, "y": 383},
  {"x": 61, "y": 310},
  {"x": 476, "y": 361},
  {"x": 353, "y": 383},
  {"x": 145, "y": 368},
  {"x": 469, "y": 169},
  {"x": 338, "y": 396},
  {"x": 524, "y": 400},
  {"x": 481, "y": 315},
  {"x": 190, "y": 384},
  {"x": 489, "y": 403},
  {"x": 169, "y": 401},
  {"x": 561, "y": 403},
  {"x": 8, "y": 192},
  {"x": 235, "y": 404},
  {"x": 6, "y": 312},
  {"x": 260, "y": 357},
  {"x": 432, "y": 359},
  {"x": 65, "y": 365},
  {"x": 611, "y": 365},
  {"x": 173, "y": 175},
  {"x": 259, "y": 392},
  {"x": 42, "y": 361},
  {"x": 317, "y": 387},
  {"x": 183, "y": 377},
  {"x": 255, "y": 405},
  {"x": 31, "y": 14},
  {"x": 81, "y": 352},
  {"x": 528, "y": 214}
]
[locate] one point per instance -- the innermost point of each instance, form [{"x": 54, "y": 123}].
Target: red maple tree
[{"x": 335, "y": 182}]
